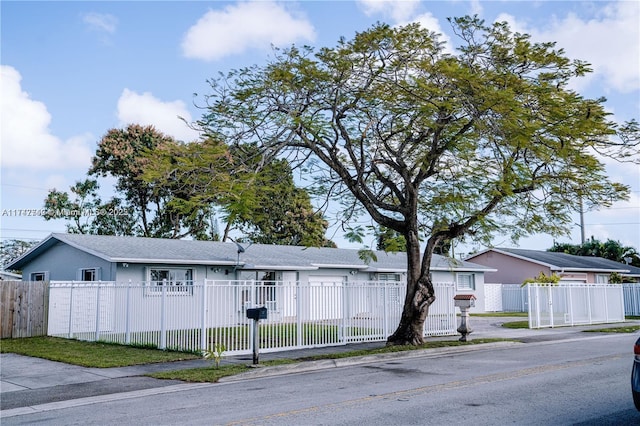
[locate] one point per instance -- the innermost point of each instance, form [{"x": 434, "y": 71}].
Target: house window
[
  {"x": 389, "y": 277},
  {"x": 602, "y": 279},
  {"x": 38, "y": 276},
  {"x": 267, "y": 291},
  {"x": 466, "y": 281},
  {"x": 89, "y": 274},
  {"x": 178, "y": 281}
]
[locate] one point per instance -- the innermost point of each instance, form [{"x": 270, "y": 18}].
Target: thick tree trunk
[
  {"x": 410, "y": 331},
  {"x": 420, "y": 294}
]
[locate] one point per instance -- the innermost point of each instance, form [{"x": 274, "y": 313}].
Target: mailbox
[
  {"x": 464, "y": 300},
  {"x": 257, "y": 313}
]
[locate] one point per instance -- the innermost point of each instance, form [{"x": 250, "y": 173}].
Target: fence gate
[{"x": 574, "y": 304}]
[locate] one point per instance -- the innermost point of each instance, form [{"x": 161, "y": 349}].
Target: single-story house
[
  {"x": 78, "y": 257},
  {"x": 9, "y": 276},
  {"x": 514, "y": 266}
]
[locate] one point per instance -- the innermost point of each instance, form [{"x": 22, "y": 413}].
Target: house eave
[
  {"x": 594, "y": 270},
  {"x": 338, "y": 266},
  {"x": 249, "y": 267},
  {"x": 134, "y": 260}
]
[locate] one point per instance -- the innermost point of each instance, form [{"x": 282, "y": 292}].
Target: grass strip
[
  {"x": 516, "y": 324},
  {"x": 212, "y": 374},
  {"x": 623, "y": 329}
]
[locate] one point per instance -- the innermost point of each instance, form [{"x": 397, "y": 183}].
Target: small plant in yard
[
  {"x": 543, "y": 279},
  {"x": 216, "y": 354}
]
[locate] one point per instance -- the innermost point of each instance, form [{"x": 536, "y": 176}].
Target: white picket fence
[
  {"x": 574, "y": 304},
  {"x": 197, "y": 316}
]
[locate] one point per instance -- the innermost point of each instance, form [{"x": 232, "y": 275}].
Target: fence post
[
  {"x": 606, "y": 302},
  {"x": 203, "y": 319},
  {"x": 70, "y": 312},
  {"x": 30, "y": 307},
  {"x": 385, "y": 311},
  {"x": 163, "y": 337},
  {"x": 551, "y": 318},
  {"x": 345, "y": 295},
  {"x": 298, "y": 314},
  {"x": 127, "y": 315},
  {"x": 571, "y": 305},
  {"x": 97, "y": 335},
  {"x": 589, "y": 304}
]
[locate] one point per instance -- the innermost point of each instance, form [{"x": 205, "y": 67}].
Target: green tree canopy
[
  {"x": 610, "y": 249},
  {"x": 13, "y": 249},
  {"x": 434, "y": 146},
  {"x": 139, "y": 208},
  {"x": 258, "y": 198}
]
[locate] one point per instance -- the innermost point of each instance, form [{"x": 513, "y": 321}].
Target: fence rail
[
  {"x": 198, "y": 316},
  {"x": 574, "y": 304}
]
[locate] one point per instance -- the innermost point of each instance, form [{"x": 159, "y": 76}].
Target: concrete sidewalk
[{"x": 27, "y": 382}]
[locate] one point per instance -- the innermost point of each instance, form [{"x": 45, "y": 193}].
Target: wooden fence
[{"x": 23, "y": 308}]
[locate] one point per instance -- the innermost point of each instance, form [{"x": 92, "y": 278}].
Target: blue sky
[{"x": 72, "y": 70}]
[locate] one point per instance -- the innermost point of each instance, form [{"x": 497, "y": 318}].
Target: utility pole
[{"x": 581, "y": 222}]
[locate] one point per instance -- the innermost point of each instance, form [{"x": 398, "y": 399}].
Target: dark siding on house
[{"x": 63, "y": 261}]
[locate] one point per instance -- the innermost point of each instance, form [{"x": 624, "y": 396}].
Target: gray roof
[
  {"x": 570, "y": 262},
  {"x": 255, "y": 256}
]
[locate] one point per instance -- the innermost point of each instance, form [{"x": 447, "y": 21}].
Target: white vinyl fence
[
  {"x": 196, "y": 317},
  {"x": 631, "y": 298},
  {"x": 574, "y": 304},
  {"x": 505, "y": 298}
]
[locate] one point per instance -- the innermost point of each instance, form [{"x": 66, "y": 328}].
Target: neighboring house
[
  {"x": 77, "y": 257},
  {"x": 9, "y": 276},
  {"x": 513, "y": 266}
]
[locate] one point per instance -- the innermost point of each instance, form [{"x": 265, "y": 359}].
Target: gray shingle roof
[
  {"x": 560, "y": 261},
  {"x": 256, "y": 256}
]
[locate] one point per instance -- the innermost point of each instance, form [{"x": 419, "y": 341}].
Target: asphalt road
[{"x": 569, "y": 382}]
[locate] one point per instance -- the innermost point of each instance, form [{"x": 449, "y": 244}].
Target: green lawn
[
  {"x": 89, "y": 354},
  {"x": 516, "y": 324}
]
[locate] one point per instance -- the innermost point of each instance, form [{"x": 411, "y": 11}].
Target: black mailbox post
[{"x": 256, "y": 314}]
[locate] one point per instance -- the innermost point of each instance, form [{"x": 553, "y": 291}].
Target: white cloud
[
  {"x": 398, "y": 10},
  {"x": 237, "y": 28},
  {"x": 609, "y": 42},
  {"x": 430, "y": 22},
  {"x": 102, "y": 22},
  {"x": 146, "y": 109},
  {"x": 27, "y": 142},
  {"x": 476, "y": 7}
]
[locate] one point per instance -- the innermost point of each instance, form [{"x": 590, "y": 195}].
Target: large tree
[
  {"x": 432, "y": 145},
  {"x": 140, "y": 208},
  {"x": 258, "y": 199}
]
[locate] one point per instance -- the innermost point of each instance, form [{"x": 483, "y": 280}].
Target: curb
[{"x": 306, "y": 366}]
